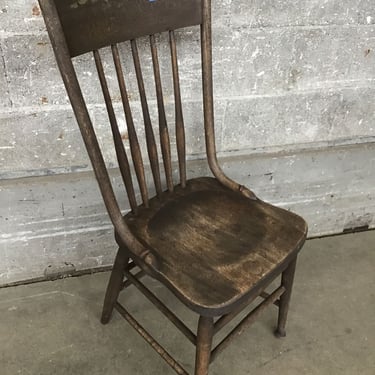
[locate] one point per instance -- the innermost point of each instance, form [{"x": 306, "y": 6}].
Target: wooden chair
[{"x": 211, "y": 241}]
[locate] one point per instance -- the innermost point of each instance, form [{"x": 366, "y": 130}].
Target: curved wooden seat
[{"x": 213, "y": 244}]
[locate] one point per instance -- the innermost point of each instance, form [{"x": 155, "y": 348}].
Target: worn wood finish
[
  {"x": 179, "y": 118},
  {"x": 119, "y": 146},
  {"x": 132, "y": 134},
  {"x": 90, "y": 25},
  {"x": 150, "y": 340},
  {"x": 246, "y": 321},
  {"x": 208, "y": 104},
  {"x": 163, "y": 127},
  {"x": 286, "y": 281},
  {"x": 150, "y": 137},
  {"x": 225, "y": 319},
  {"x": 79, "y": 106},
  {"x": 230, "y": 242},
  {"x": 211, "y": 241},
  {"x": 204, "y": 343},
  {"x": 165, "y": 310},
  {"x": 138, "y": 276},
  {"x": 114, "y": 285}
]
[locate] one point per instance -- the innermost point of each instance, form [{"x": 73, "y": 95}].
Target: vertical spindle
[
  {"x": 150, "y": 138},
  {"x": 163, "y": 126},
  {"x": 133, "y": 139},
  {"x": 180, "y": 129},
  {"x": 119, "y": 146}
]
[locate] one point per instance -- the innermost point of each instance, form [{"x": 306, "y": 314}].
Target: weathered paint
[
  {"x": 294, "y": 83},
  {"x": 59, "y": 222}
]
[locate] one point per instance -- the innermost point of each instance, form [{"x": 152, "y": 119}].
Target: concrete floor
[{"x": 53, "y": 327}]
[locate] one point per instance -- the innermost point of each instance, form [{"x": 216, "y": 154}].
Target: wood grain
[{"x": 229, "y": 242}]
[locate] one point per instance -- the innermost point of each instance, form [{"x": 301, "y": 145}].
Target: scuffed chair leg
[
  {"x": 114, "y": 285},
  {"x": 204, "y": 344},
  {"x": 287, "y": 281}
]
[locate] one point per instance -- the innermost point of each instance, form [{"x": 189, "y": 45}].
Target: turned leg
[
  {"x": 204, "y": 344},
  {"x": 114, "y": 285},
  {"x": 286, "y": 281}
]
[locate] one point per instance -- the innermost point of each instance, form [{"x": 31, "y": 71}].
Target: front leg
[
  {"x": 114, "y": 285},
  {"x": 204, "y": 344}
]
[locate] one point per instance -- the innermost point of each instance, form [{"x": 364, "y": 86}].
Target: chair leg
[
  {"x": 286, "y": 281},
  {"x": 204, "y": 344},
  {"x": 114, "y": 285}
]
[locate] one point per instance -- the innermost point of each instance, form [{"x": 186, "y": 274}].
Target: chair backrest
[
  {"x": 91, "y": 24},
  {"x": 76, "y": 27}
]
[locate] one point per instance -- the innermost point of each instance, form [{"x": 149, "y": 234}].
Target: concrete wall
[{"x": 294, "y": 86}]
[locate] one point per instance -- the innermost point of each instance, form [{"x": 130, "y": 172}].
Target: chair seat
[{"x": 215, "y": 246}]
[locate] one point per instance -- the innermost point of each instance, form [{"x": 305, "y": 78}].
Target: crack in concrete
[
  {"x": 20, "y": 299},
  {"x": 58, "y": 351},
  {"x": 275, "y": 357},
  {"x": 308, "y": 343}
]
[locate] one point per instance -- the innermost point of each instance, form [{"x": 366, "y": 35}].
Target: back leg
[
  {"x": 286, "y": 281},
  {"x": 114, "y": 285}
]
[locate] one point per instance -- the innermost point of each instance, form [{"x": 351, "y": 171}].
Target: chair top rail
[{"x": 91, "y": 24}]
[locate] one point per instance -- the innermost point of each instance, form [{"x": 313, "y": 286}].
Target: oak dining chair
[{"x": 211, "y": 241}]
